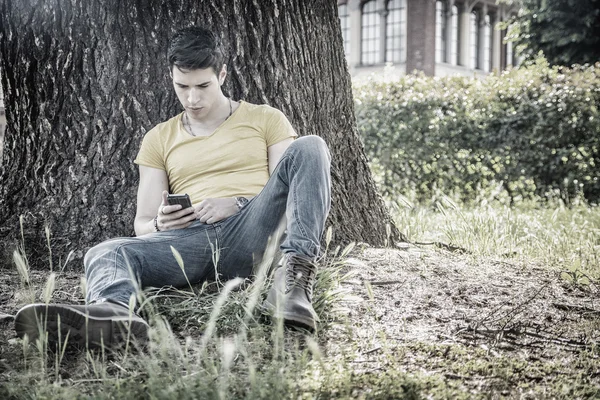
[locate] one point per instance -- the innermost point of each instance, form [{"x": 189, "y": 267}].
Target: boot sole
[
  {"x": 289, "y": 319},
  {"x": 83, "y": 331}
]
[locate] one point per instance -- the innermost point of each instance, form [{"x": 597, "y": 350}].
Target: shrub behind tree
[{"x": 530, "y": 132}]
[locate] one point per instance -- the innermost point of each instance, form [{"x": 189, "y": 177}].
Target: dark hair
[{"x": 195, "y": 48}]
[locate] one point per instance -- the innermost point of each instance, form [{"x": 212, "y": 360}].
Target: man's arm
[
  {"x": 275, "y": 152},
  {"x": 152, "y": 202}
]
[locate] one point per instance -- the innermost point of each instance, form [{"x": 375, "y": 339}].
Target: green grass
[
  {"x": 211, "y": 341},
  {"x": 550, "y": 234}
]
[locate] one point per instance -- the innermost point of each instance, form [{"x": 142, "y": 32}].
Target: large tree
[
  {"x": 84, "y": 80},
  {"x": 566, "y": 31}
]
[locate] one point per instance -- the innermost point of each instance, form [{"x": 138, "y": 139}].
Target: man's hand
[
  {"x": 210, "y": 211},
  {"x": 173, "y": 217}
]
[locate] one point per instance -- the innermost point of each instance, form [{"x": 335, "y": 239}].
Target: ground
[
  {"x": 444, "y": 324},
  {"x": 481, "y": 326}
]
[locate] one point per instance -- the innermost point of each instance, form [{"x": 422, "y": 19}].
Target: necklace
[{"x": 188, "y": 125}]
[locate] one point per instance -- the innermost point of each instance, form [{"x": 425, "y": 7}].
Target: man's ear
[{"x": 222, "y": 74}]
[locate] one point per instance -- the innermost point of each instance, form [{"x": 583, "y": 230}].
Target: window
[
  {"x": 487, "y": 44},
  {"x": 440, "y": 31},
  {"x": 474, "y": 35},
  {"x": 455, "y": 36},
  {"x": 345, "y": 23},
  {"x": 510, "y": 61},
  {"x": 394, "y": 22},
  {"x": 395, "y": 28},
  {"x": 370, "y": 34}
]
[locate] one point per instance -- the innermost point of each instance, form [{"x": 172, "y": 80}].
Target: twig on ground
[
  {"x": 373, "y": 283},
  {"x": 511, "y": 314},
  {"x": 383, "y": 283},
  {"x": 373, "y": 350},
  {"x": 445, "y": 246},
  {"x": 512, "y": 334},
  {"x": 455, "y": 376},
  {"x": 579, "y": 309}
]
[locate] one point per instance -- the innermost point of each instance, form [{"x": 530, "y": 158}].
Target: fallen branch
[
  {"x": 383, "y": 283},
  {"x": 579, "y": 309},
  {"x": 510, "y": 335},
  {"x": 445, "y": 246},
  {"x": 510, "y": 314},
  {"x": 373, "y": 350}
]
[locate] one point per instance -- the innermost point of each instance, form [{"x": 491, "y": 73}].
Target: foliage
[
  {"x": 529, "y": 132},
  {"x": 566, "y": 31}
]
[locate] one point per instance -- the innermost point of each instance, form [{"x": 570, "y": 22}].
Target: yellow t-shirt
[{"x": 230, "y": 162}]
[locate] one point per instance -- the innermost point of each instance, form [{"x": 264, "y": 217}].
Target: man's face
[{"x": 198, "y": 90}]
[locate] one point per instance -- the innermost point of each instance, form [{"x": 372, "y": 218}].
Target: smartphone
[{"x": 182, "y": 199}]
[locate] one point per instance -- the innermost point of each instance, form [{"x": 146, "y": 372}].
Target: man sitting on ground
[{"x": 244, "y": 172}]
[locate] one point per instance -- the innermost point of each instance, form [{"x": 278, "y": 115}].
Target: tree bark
[{"x": 84, "y": 80}]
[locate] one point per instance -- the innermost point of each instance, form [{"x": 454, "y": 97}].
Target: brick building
[{"x": 443, "y": 37}]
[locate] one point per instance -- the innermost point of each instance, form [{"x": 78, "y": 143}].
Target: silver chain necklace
[{"x": 186, "y": 119}]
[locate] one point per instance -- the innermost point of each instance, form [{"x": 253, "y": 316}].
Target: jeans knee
[
  {"x": 94, "y": 255},
  {"x": 312, "y": 146},
  {"x": 90, "y": 256}
]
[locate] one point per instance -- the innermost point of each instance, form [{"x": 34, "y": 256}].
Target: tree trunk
[{"x": 84, "y": 80}]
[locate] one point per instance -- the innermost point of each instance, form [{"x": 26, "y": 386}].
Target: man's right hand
[{"x": 173, "y": 217}]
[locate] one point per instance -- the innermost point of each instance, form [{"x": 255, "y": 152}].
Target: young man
[{"x": 244, "y": 172}]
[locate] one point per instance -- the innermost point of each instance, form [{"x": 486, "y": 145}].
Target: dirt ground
[
  {"x": 458, "y": 324},
  {"x": 476, "y": 326}
]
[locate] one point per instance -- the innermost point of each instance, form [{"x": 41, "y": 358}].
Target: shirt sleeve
[
  {"x": 278, "y": 128},
  {"x": 151, "y": 153}
]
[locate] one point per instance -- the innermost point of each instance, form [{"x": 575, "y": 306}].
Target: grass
[
  {"x": 211, "y": 341},
  {"x": 552, "y": 234}
]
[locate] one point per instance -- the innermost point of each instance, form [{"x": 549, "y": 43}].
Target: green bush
[{"x": 532, "y": 131}]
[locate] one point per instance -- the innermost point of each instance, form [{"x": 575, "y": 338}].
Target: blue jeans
[{"x": 299, "y": 189}]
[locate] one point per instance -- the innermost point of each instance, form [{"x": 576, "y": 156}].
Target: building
[{"x": 444, "y": 37}]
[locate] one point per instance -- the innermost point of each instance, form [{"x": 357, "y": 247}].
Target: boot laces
[{"x": 300, "y": 273}]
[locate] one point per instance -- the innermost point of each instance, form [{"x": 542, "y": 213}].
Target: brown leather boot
[
  {"x": 107, "y": 323},
  {"x": 290, "y": 297}
]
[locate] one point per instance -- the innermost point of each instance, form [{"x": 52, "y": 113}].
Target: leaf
[
  {"x": 567, "y": 277},
  {"x": 584, "y": 281}
]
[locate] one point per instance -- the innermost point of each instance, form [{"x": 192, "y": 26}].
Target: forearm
[
  {"x": 146, "y": 224},
  {"x": 143, "y": 225}
]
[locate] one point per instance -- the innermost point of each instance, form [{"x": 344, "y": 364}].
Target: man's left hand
[{"x": 210, "y": 211}]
